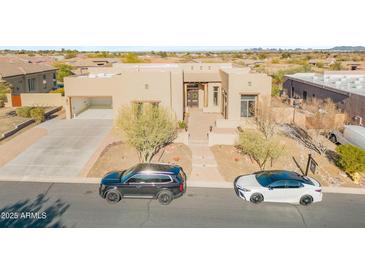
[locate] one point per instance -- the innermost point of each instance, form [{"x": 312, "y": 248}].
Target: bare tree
[
  {"x": 323, "y": 121},
  {"x": 265, "y": 118}
]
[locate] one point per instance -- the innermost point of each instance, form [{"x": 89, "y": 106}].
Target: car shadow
[{"x": 34, "y": 213}]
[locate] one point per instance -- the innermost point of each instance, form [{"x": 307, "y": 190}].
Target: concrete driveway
[{"x": 63, "y": 152}]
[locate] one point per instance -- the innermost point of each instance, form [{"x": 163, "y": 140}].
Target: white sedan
[{"x": 278, "y": 186}]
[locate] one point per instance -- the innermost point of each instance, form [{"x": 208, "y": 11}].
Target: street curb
[{"x": 216, "y": 184}]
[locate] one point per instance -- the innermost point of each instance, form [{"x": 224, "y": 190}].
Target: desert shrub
[
  {"x": 336, "y": 66},
  {"x": 59, "y": 90},
  {"x": 351, "y": 159},
  {"x": 131, "y": 58},
  {"x": 37, "y": 114},
  {"x": 181, "y": 124},
  {"x": 4, "y": 89},
  {"x": 23, "y": 112}
]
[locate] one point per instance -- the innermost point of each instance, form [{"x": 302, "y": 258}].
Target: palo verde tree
[
  {"x": 64, "y": 70},
  {"x": 147, "y": 127},
  {"x": 260, "y": 149}
]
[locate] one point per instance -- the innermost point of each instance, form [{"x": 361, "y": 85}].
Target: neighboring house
[
  {"x": 211, "y": 87},
  {"x": 28, "y": 78},
  {"x": 345, "y": 88},
  {"x": 82, "y": 65}
]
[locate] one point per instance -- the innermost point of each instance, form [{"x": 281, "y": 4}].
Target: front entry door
[{"x": 193, "y": 98}]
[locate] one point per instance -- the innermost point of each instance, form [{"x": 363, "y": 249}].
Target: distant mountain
[{"x": 348, "y": 48}]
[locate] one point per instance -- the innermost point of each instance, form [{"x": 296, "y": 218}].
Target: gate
[{"x": 16, "y": 101}]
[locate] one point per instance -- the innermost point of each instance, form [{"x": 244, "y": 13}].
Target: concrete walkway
[{"x": 204, "y": 166}]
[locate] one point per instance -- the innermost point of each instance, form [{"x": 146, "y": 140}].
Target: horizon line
[{"x": 166, "y": 48}]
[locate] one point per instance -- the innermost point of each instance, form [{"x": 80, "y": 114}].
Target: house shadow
[{"x": 34, "y": 213}]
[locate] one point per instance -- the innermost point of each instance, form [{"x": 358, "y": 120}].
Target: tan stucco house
[
  {"x": 211, "y": 87},
  {"x": 27, "y": 78}
]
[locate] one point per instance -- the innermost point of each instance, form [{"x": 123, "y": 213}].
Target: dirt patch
[
  {"x": 232, "y": 164},
  {"x": 8, "y": 120},
  {"x": 119, "y": 156}
]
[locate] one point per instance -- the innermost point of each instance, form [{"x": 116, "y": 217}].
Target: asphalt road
[{"x": 25, "y": 204}]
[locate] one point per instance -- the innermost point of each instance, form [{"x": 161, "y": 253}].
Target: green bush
[
  {"x": 181, "y": 124},
  {"x": 59, "y": 90},
  {"x": 351, "y": 159},
  {"x": 23, "y": 112},
  {"x": 38, "y": 114}
]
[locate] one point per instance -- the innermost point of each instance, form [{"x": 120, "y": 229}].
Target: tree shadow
[
  {"x": 332, "y": 156},
  {"x": 299, "y": 134},
  {"x": 33, "y": 213}
]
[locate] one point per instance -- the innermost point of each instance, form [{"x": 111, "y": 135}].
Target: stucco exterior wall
[
  {"x": 246, "y": 84},
  {"x": 41, "y": 99},
  {"x": 211, "y": 106},
  {"x": 163, "y": 87}
]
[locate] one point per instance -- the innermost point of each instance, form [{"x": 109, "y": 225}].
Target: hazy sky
[
  {"x": 144, "y": 48},
  {"x": 184, "y": 23}
]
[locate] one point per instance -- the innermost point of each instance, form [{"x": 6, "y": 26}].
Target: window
[
  {"x": 139, "y": 178},
  {"x": 143, "y": 178},
  {"x": 248, "y": 105},
  {"x": 304, "y": 95},
  {"x": 201, "y": 67},
  {"x": 215, "y": 98},
  {"x": 161, "y": 178},
  {"x": 31, "y": 84},
  {"x": 44, "y": 81},
  {"x": 216, "y": 88},
  {"x": 293, "y": 184},
  {"x": 146, "y": 86},
  {"x": 277, "y": 184},
  {"x": 249, "y": 84},
  {"x": 54, "y": 77}
]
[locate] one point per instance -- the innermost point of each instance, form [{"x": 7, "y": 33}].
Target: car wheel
[
  {"x": 165, "y": 197},
  {"x": 256, "y": 198},
  {"x": 306, "y": 200},
  {"x": 113, "y": 196},
  {"x": 333, "y": 139}
]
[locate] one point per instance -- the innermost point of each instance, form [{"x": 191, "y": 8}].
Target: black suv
[{"x": 154, "y": 181}]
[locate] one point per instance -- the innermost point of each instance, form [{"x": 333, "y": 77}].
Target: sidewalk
[{"x": 204, "y": 165}]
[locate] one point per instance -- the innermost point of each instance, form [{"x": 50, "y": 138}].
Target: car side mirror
[{"x": 271, "y": 188}]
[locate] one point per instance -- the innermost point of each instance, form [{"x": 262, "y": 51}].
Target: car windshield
[
  {"x": 128, "y": 172},
  {"x": 265, "y": 178}
]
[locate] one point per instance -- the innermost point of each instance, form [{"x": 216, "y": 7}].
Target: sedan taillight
[
  {"x": 318, "y": 190},
  {"x": 181, "y": 187}
]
